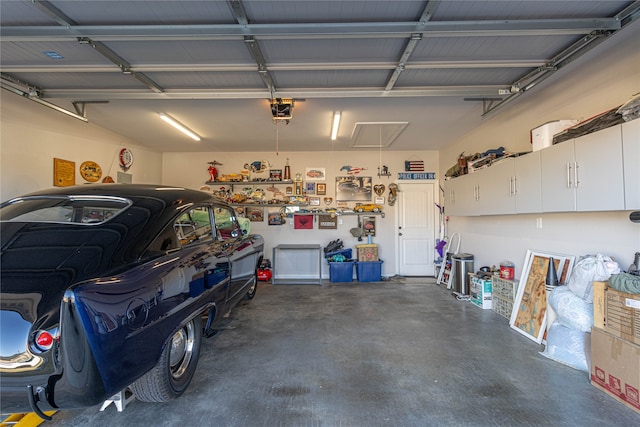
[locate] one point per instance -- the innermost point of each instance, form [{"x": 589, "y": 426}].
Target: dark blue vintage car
[{"x": 111, "y": 286}]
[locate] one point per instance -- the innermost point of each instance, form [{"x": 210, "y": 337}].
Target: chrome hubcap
[{"x": 181, "y": 350}]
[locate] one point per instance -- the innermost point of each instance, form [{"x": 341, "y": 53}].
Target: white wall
[
  {"x": 190, "y": 170},
  {"x": 31, "y": 136},
  {"x": 591, "y": 88}
]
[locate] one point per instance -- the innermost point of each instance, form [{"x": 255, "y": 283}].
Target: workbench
[{"x": 290, "y": 263}]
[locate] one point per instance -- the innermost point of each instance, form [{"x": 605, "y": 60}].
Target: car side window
[
  {"x": 193, "y": 226},
  {"x": 226, "y": 223}
]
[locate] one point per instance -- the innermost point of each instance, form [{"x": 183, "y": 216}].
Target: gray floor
[{"x": 402, "y": 353}]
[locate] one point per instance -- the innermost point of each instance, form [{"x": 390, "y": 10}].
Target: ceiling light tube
[
  {"x": 182, "y": 128},
  {"x": 336, "y": 124}
]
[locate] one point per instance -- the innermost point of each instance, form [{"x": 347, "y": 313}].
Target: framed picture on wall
[
  {"x": 314, "y": 174},
  {"x": 354, "y": 188},
  {"x": 310, "y": 187},
  {"x": 321, "y": 188}
]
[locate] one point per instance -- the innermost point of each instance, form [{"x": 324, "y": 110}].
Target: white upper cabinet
[
  {"x": 495, "y": 192},
  {"x": 557, "y": 178},
  {"x": 631, "y": 161},
  {"x": 600, "y": 181},
  {"x": 584, "y": 174},
  {"x": 595, "y": 172},
  {"x": 527, "y": 183}
]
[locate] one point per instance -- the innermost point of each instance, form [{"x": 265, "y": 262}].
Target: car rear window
[{"x": 72, "y": 209}]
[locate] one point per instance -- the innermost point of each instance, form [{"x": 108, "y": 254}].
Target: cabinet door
[
  {"x": 527, "y": 183},
  {"x": 449, "y": 198},
  {"x": 460, "y": 199},
  {"x": 631, "y": 160},
  {"x": 495, "y": 194},
  {"x": 600, "y": 185},
  {"x": 466, "y": 194},
  {"x": 557, "y": 178}
]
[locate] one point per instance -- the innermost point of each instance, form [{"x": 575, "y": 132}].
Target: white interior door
[{"x": 416, "y": 229}]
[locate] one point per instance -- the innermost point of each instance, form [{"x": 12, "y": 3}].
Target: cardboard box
[
  {"x": 622, "y": 315},
  {"x": 615, "y": 367},
  {"x": 598, "y": 304},
  {"x": 367, "y": 252},
  {"x": 542, "y": 136},
  {"x": 480, "y": 291}
]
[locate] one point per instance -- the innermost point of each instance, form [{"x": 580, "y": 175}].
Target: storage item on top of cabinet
[
  {"x": 584, "y": 174},
  {"x": 631, "y": 158}
]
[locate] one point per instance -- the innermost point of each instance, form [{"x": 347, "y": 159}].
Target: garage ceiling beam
[
  {"x": 347, "y": 92},
  {"x": 320, "y": 66},
  {"x": 525, "y": 27},
  {"x": 426, "y": 15}
]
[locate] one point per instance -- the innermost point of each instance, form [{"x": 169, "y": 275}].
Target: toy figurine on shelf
[{"x": 213, "y": 171}]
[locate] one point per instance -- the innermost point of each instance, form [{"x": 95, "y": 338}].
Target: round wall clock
[
  {"x": 90, "y": 171},
  {"x": 126, "y": 158}
]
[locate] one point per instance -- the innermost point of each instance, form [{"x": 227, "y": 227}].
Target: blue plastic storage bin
[
  {"x": 369, "y": 271},
  {"x": 341, "y": 271},
  {"x": 345, "y": 252}
]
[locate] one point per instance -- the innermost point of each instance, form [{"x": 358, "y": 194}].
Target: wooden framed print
[
  {"x": 64, "y": 173},
  {"x": 529, "y": 315},
  {"x": 321, "y": 188}
]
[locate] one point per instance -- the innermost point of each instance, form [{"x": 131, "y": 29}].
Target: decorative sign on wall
[
  {"x": 327, "y": 222},
  {"x": 64, "y": 172},
  {"x": 414, "y": 165},
  {"x": 416, "y": 175}
]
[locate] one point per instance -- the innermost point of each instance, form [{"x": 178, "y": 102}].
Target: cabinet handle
[
  {"x": 515, "y": 189},
  {"x": 477, "y": 192},
  {"x": 575, "y": 174},
  {"x": 568, "y": 174}
]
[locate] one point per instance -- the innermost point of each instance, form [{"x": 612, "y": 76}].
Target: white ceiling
[{"x": 214, "y": 65}]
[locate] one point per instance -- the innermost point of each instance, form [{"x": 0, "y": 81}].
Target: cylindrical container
[
  {"x": 507, "y": 270},
  {"x": 462, "y": 264}
]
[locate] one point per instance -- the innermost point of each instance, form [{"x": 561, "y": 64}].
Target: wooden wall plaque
[{"x": 64, "y": 173}]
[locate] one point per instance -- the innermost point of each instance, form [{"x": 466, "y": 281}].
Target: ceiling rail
[{"x": 522, "y": 27}]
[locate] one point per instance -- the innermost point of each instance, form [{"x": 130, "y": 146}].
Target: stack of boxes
[
  {"x": 368, "y": 267},
  {"x": 504, "y": 293},
  {"x": 615, "y": 344}
]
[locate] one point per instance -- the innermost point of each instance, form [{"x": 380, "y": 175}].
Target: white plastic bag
[
  {"x": 566, "y": 346},
  {"x": 571, "y": 310},
  {"x": 588, "y": 269}
]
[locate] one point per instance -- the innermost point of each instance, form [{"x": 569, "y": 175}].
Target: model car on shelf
[
  {"x": 369, "y": 207},
  {"x": 111, "y": 286}
]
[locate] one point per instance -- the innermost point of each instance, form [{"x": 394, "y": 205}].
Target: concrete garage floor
[{"x": 400, "y": 353}]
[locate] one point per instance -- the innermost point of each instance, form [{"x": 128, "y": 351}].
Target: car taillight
[{"x": 44, "y": 340}]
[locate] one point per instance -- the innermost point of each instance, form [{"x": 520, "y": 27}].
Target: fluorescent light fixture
[
  {"x": 335, "y": 126},
  {"x": 182, "y": 128}
]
